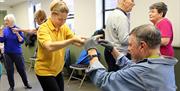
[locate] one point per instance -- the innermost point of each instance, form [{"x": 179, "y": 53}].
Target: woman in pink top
[{"x": 157, "y": 17}]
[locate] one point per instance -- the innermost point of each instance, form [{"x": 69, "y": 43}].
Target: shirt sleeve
[
  {"x": 121, "y": 79},
  {"x": 94, "y": 66},
  {"x": 123, "y": 61},
  {"x": 1, "y": 39},
  {"x": 122, "y": 28},
  {"x": 22, "y": 35},
  {"x": 43, "y": 35},
  {"x": 165, "y": 28}
]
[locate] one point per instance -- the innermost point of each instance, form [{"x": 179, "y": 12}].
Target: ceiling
[{"x": 10, "y": 3}]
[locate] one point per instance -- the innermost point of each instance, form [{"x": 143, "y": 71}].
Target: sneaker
[
  {"x": 11, "y": 89},
  {"x": 28, "y": 86}
]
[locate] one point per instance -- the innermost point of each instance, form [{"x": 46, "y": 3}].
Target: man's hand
[
  {"x": 93, "y": 52},
  {"x": 106, "y": 44},
  {"x": 91, "y": 42}
]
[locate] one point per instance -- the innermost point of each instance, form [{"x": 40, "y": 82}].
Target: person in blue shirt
[
  {"x": 147, "y": 71},
  {"x": 13, "y": 52}
]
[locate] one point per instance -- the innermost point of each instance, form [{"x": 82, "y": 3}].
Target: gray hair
[
  {"x": 161, "y": 8},
  {"x": 10, "y": 17},
  {"x": 149, "y": 34}
]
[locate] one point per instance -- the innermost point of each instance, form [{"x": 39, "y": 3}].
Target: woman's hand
[{"x": 78, "y": 41}]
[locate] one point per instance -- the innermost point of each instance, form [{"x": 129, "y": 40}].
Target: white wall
[
  {"x": 139, "y": 15},
  {"x": 8, "y": 9},
  {"x": 21, "y": 13},
  {"x": 99, "y": 14},
  {"x": 45, "y": 6},
  {"x": 85, "y": 17}
]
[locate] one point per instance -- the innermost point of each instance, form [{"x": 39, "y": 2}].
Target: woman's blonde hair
[{"x": 58, "y": 6}]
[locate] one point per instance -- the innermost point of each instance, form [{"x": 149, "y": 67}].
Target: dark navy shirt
[{"x": 10, "y": 39}]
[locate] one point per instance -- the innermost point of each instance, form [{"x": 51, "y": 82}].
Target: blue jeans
[{"x": 9, "y": 60}]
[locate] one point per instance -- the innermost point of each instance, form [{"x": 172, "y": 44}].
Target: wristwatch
[{"x": 92, "y": 56}]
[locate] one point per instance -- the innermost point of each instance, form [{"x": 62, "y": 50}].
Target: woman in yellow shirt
[{"x": 53, "y": 36}]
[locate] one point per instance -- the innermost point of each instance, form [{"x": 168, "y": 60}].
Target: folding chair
[
  {"x": 32, "y": 61},
  {"x": 78, "y": 67},
  {"x": 81, "y": 65}
]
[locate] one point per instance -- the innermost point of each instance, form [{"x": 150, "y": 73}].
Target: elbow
[
  {"x": 49, "y": 48},
  {"x": 164, "y": 41}
]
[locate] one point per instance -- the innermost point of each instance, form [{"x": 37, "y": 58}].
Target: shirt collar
[
  {"x": 49, "y": 24},
  {"x": 122, "y": 11},
  {"x": 161, "y": 60}
]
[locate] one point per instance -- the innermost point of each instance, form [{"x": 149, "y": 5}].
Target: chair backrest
[{"x": 83, "y": 58}]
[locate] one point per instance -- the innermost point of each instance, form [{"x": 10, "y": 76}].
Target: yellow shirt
[{"x": 50, "y": 63}]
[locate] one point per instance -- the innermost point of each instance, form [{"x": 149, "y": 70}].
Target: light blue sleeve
[
  {"x": 123, "y": 61},
  {"x": 121, "y": 80}
]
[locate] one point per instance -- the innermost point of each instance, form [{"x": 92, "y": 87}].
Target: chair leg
[
  {"x": 30, "y": 66},
  {"x": 70, "y": 76},
  {"x": 82, "y": 80}
]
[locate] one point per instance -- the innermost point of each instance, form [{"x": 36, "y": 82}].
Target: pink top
[{"x": 165, "y": 27}]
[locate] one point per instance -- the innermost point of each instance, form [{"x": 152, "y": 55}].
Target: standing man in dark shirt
[{"x": 117, "y": 30}]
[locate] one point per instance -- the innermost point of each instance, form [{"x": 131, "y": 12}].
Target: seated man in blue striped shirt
[{"x": 147, "y": 71}]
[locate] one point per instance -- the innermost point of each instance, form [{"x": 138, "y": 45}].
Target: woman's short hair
[
  {"x": 58, "y": 6},
  {"x": 10, "y": 17},
  {"x": 40, "y": 14},
  {"x": 161, "y": 7}
]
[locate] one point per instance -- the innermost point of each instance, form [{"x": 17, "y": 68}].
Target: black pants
[
  {"x": 111, "y": 62},
  {"x": 51, "y": 83},
  {"x": 9, "y": 60}
]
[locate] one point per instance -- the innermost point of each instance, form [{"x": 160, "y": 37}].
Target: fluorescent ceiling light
[{"x": 1, "y": 0}]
